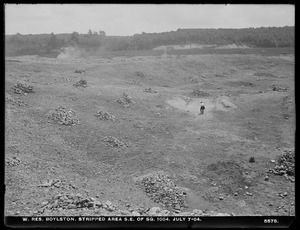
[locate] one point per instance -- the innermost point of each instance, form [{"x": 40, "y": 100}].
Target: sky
[{"x": 130, "y": 19}]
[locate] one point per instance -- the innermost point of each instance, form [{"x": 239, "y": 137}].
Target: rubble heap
[
  {"x": 125, "y": 100},
  {"x": 69, "y": 201},
  {"x": 82, "y": 83},
  {"x": 161, "y": 189},
  {"x": 12, "y": 161},
  {"x": 279, "y": 89},
  {"x": 75, "y": 202},
  {"x": 104, "y": 115},
  {"x": 114, "y": 141},
  {"x": 20, "y": 88},
  {"x": 285, "y": 165},
  {"x": 149, "y": 90},
  {"x": 199, "y": 93},
  {"x": 10, "y": 99},
  {"x": 79, "y": 71},
  {"x": 64, "y": 116}
]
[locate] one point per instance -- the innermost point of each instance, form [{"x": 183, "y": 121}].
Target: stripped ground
[{"x": 206, "y": 155}]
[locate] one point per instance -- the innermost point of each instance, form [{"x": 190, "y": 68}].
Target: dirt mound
[
  {"x": 285, "y": 165},
  {"x": 20, "y": 88},
  {"x": 229, "y": 174},
  {"x": 102, "y": 115},
  {"x": 114, "y": 141},
  {"x": 125, "y": 100},
  {"x": 161, "y": 189},
  {"x": 63, "y": 116},
  {"x": 81, "y": 83}
]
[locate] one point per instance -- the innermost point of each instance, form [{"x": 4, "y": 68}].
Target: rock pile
[
  {"x": 57, "y": 183},
  {"x": 10, "y": 99},
  {"x": 114, "y": 141},
  {"x": 79, "y": 71},
  {"x": 279, "y": 89},
  {"x": 20, "y": 88},
  {"x": 285, "y": 165},
  {"x": 70, "y": 201},
  {"x": 125, "y": 100},
  {"x": 12, "y": 161},
  {"x": 104, "y": 116},
  {"x": 161, "y": 189},
  {"x": 64, "y": 116},
  {"x": 149, "y": 90},
  {"x": 76, "y": 202},
  {"x": 139, "y": 74},
  {"x": 81, "y": 83},
  {"x": 199, "y": 93}
]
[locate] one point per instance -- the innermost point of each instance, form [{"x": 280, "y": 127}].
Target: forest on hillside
[{"x": 39, "y": 44}]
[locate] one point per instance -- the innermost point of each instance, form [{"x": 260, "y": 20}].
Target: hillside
[{"x": 267, "y": 37}]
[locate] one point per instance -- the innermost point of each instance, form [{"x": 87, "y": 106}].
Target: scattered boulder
[
  {"x": 81, "y": 83},
  {"x": 63, "y": 116},
  {"x": 20, "y": 88}
]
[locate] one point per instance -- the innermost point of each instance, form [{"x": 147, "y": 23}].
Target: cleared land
[{"x": 250, "y": 112}]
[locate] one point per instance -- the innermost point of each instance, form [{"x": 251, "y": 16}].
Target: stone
[
  {"x": 135, "y": 213},
  {"x": 71, "y": 206},
  {"x": 177, "y": 206},
  {"x": 266, "y": 178},
  {"x": 154, "y": 210},
  {"x": 164, "y": 212},
  {"x": 221, "y": 198},
  {"x": 197, "y": 212},
  {"x": 235, "y": 194},
  {"x": 44, "y": 203},
  {"x": 127, "y": 213},
  {"x": 108, "y": 203}
]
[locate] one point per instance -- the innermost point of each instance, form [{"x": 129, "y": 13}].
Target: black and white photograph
[{"x": 152, "y": 114}]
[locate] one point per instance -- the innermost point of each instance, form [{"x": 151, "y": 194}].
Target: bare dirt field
[{"x": 131, "y": 138}]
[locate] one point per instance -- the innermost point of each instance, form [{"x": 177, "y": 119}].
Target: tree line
[{"x": 19, "y": 44}]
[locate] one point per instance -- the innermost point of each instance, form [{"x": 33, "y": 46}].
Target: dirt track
[{"x": 207, "y": 155}]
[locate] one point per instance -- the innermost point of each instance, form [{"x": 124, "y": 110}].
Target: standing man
[{"x": 202, "y": 107}]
